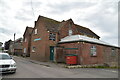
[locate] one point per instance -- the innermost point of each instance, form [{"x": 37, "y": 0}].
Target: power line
[{"x": 32, "y": 8}]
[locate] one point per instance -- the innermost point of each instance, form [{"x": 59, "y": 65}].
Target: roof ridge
[
  {"x": 30, "y": 27},
  {"x": 49, "y": 18}
]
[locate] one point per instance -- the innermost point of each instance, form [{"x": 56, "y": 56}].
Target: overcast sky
[{"x": 101, "y": 16}]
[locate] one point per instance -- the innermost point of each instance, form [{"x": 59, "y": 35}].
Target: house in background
[
  {"x": 1, "y": 46},
  {"x": 16, "y": 47},
  {"x": 11, "y": 48},
  {"x": 27, "y": 41},
  {"x": 7, "y": 44}
]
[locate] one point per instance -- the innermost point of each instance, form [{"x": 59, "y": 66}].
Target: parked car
[{"x": 7, "y": 64}]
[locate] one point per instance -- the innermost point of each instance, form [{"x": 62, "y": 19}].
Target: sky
[{"x": 101, "y": 16}]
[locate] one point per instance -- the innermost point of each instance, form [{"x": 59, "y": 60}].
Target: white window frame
[
  {"x": 24, "y": 50},
  {"x": 36, "y": 31},
  {"x": 93, "y": 51},
  {"x": 70, "y": 32}
]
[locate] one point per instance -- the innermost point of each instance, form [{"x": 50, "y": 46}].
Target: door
[{"x": 51, "y": 53}]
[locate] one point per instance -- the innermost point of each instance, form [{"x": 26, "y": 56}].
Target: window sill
[{"x": 93, "y": 56}]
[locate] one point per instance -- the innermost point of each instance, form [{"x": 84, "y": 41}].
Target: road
[{"x": 28, "y": 69}]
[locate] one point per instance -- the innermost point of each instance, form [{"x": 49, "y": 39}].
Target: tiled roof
[
  {"x": 50, "y": 24},
  {"x": 18, "y": 46},
  {"x": 85, "y": 30},
  {"x": 54, "y": 26},
  {"x": 19, "y": 40}
]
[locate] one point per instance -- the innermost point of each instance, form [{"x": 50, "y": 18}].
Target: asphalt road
[{"x": 27, "y": 69}]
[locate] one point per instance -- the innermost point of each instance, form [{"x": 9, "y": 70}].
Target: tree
[
  {"x": 7, "y": 44},
  {"x": 1, "y": 44}
]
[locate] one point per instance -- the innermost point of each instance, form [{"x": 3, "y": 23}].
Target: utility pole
[{"x": 14, "y": 44}]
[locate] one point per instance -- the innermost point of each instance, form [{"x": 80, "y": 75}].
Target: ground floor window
[
  {"x": 93, "y": 51},
  {"x": 24, "y": 50},
  {"x": 33, "y": 49},
  {"x": 113, "y": 52}
]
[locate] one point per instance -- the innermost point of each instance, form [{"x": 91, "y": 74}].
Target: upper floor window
[
  {"x": 93, "y": 51},
  {"x": 52, "y": 36},
  {"x": 70, "y": 32},
  {"x": 35, "y": 31}
]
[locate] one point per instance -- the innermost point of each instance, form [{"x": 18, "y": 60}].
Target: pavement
[
  {"x": 47, "y": 64},
  {"x": 27, "y": 68}
]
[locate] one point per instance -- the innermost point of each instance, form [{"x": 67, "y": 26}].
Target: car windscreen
[{"x": 4, "y": 57}]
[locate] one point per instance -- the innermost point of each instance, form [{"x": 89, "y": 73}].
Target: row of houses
[
  {"x": 51, "y": 40},
  {"x": 15, "y": 47}
]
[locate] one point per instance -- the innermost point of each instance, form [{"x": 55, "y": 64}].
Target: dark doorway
[{"x": 51, "y": 53}]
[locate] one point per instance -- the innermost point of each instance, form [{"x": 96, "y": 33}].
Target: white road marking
[
  {"x": 114, "y": 71},
  {"x": 109, "y": 70}
]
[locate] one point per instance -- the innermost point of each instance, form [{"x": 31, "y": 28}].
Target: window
[
  {"x": 113, "y": 51},
  {"x": 4, "y": 57},
  {"x": 93, "y": 51},
  {"x": 35, "y": 31},
  {"x": 24, "y": 50},
  {"x": 52, "y": 36},
  {"x": 70, "y": 32},
  {"x": 33, "y": 49}
]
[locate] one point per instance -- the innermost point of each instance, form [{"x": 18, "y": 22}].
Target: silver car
[{"x": 7, "y": 64}]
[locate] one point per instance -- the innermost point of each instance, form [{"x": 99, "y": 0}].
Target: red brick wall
[
  {"x": 87, "y": 58},
  {"x": 64, "y": 31},
  {"x": 84, "y": 57},
  {"x": 109, "y": 58},
  {"x": 42, "y": 52},
  {"x": 42, "y": 46},
  {"x": 72, "y": 51},
  {"x": 27, "y": 43},
  {"x": 39, "y": 45},
  {"x": 60, "y": 55}
]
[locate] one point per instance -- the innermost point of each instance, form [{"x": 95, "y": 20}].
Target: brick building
[
  {"x": 16, "y": 47},
  {"x": 27, "y": 41},
  {"x": 47, "y": 42},
  {"x": 88, "y": 50}
]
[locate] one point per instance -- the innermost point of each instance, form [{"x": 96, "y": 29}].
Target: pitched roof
[
  {"x": 18, "y": 46},
  {"x": 85, "y": 30},
  {"x": 54, "y": 26},
  {"x": 18, "y": 40},
  {"x": 28, "y": 30},
  {"x": 75, "y": 38},
  {"x": 50, "y": 24}
]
